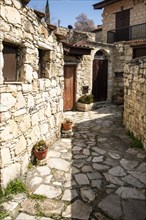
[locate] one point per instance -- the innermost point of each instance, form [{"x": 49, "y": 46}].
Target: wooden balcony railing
[{"x": 127, "y": 33}]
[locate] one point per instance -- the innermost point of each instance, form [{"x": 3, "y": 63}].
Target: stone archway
[
  {"x": 102, "y": 79},
  {"x": 100, "y": 76}
]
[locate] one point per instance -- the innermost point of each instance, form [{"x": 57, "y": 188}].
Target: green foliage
[
  {"x": 68, "y": 120},
  {"x": 30, "y": 166},
  {"x": 136, "y": 142},
  {"x": 39, "y": 211},
  {"x": 87, "y": 99},
  {"x": 15, "y": 187},
  {"x": 1, "y": 192},
  {"x": 3, "y": 213},
  {"x": 3, "y": 197},
  {"x": 37, "y": 197},
  {"x": 40, "y": 145}
]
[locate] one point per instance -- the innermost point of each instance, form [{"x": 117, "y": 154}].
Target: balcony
[{"x": 134, "y": 32}]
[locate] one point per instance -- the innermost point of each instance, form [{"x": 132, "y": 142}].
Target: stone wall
[
  {"x": 83, "y": 63},
  {"x": 32, "y": 107},
  {"x": 137, "y": 14},
  {"x": 135, "y": 98},
  {"x": 122, "y": 54},
  {"x": 75, "y": 35},
  {"x": 83, "y": 72},
  {"x": 108, "y": 51},
  {"x": 84, "y": 75}
]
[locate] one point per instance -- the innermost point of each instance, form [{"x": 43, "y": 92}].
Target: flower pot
[
  {"x": 67, "y": 126},
  {"x": 84, "y": 107},
  {"x": 40, "y": 155}
]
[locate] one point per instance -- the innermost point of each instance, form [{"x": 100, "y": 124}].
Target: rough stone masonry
[
  {"x": 135, "y": 98},
  {"x": 31, "y": 107}
]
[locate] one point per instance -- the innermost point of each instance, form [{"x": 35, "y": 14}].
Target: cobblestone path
[{"x": 94, "y": 175}]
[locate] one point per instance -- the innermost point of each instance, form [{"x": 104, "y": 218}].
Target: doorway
[
  {"x": 69, "y": 87},
  {"x": 100, "y": 77}
]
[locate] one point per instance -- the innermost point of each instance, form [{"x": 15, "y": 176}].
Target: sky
[{"x": 67, "y": 10}]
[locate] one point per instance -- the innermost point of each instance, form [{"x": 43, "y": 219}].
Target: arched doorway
[{"x": 100, "y": 76}]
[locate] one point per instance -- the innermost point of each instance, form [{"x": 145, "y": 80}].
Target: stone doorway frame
[{"x": 108, "y": 53}]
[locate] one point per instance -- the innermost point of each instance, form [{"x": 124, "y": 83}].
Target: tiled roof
[
  {"x": 39, "y": 13},
  {"x": 81, "y": 44},
  {"x": 76, "y": 48},
  {"x": 104, "y": 3},
  {"x": 137, "y": 41}
]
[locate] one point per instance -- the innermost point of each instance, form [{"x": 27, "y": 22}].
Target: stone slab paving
[{"x": 94, "y": 175}]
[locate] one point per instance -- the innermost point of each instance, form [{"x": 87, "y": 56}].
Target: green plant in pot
[
  {"x": 40, "y": 150},
  {"x": 86, "y": 99},
  {"x": 84, "y": 103},
  {"x": 67, "y": 124}
]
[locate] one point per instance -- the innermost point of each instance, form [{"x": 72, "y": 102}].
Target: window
[
  {"x": 10, "y": 63},
  {"x": 139, "y": 52},
  {"x": 122, "y": 25},
  {"x": 41, "y": 73}
]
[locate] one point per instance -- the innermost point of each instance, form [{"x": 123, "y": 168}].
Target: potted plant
[
  {"x": 84, "y": 103},
  {"x": 40, "y": 150},
  {"x": 67, "y": 124},
  {"x": 118, "y": 99}
]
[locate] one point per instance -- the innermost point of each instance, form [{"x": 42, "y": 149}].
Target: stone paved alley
[{"x": 93, "y": 175}]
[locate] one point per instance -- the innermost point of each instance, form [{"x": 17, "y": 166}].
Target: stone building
[
  {"x": 43, "y": 71},
  {"x": 122, "y": 20},
  {"x": 124, "y": 26},
  {"x": 31, "y": 86},
  {"x": 135, "y": 98},
  {"x": 33, "y": 61},
  {"x": 85, "y": 70}
]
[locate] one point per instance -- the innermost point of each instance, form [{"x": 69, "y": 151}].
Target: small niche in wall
[
  {"x": 118, "y": 74},
  {"x": 44, "y": 61},
  {"x": 85, "y": 89}
]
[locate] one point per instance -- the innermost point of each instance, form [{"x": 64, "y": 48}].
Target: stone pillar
[
  {"x": 28, "y": 63},
  {"x": 1, "y": 60},
  {"x": 110, "y": 81}
]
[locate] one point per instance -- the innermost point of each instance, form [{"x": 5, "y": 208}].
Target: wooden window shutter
[
  {"x": 139, "y": 52},
  {"x": 41, "y": 71},
  {"x": 10, "y": 63}
]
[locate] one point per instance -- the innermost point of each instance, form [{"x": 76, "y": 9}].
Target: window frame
[
  {"x": 10, "y": 56},
  {"x": 139, "y": 49}
]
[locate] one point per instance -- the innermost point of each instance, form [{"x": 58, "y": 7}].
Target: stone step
[{"x": 101, "y": 104}]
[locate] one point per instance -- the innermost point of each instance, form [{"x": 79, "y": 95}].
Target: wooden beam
[
  {"x": 80, "y": 51},
  {"x": 39, "y": 14},
  {"x": 25, "y": 2},
  {"x": 52, "y": 27}
]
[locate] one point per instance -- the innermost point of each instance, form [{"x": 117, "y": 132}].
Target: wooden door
[
  {"x": 69, "y": 86},
  {"x": 10, "y": 63},
  {"x": 99, "y": 87},
  {"x": 122, "y": 25}
]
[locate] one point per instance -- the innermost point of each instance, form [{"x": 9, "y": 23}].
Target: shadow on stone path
[{"x": 94, "y": 175}]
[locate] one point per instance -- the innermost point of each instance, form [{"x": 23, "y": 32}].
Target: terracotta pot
[
  {"x": 40, "y": 155},
  {"x": 67, "y": 126}
]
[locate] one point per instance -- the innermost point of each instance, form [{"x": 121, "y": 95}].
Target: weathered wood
[
  {"x": 100, "y": 80},
  {"x": 69, "y": 86}
]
